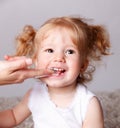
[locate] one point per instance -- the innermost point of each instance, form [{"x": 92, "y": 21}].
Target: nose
[{"x": 59, "y": 58}]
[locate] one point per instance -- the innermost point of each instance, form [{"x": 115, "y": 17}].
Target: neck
[
  {"x": 62, "y": 97},
  {"x": 61, "y": 91}
]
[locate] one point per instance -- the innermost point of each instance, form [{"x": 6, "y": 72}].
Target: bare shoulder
[{"x": 94, "y": 116}]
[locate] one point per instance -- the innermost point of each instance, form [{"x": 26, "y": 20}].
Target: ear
[{"x": 84, "y": 66}]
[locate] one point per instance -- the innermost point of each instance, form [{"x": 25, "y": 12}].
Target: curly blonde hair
[{"x": 92, "y": 41}]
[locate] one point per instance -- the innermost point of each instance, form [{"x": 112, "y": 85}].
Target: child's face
[{"x": 57, "y": 52}]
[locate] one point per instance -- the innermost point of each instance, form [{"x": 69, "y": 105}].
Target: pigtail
[
  {"x": 99, "y": 44},
  {"x": 25, "y": 42}
]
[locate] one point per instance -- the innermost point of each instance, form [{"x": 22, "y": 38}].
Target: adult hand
[{"x": 15, "y": 70}]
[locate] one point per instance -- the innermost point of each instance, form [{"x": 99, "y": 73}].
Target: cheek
[
  {"x": 40, "y": 63},
  {"x": 76, "y": 61},
  {"x": 75, "y": 65},
  {"x": 76, "y": 68}
]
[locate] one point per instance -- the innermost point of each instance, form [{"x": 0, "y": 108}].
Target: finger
[
  {"x": 6, "y": 57},
  {"x": 11, "y": 58},
  {"x": 20, "y": 64},
  {"x": 43, "y": 73},
  {"x": 20, "y": 75},
  {"x": 34, "y": 73}
]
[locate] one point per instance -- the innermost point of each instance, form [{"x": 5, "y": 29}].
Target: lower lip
[{"x": 57, "y": 75}]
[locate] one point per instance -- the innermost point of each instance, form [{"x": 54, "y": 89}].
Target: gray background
[{"x": 14, "y": 14}]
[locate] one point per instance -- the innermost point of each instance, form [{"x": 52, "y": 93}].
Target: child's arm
[
  {"x": 94, "y": 116},
  {"x": 7, "y": 119},
  {"x": 12, "y": 117}
]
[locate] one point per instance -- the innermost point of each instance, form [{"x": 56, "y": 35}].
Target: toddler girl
[{"x": 68, "y": 46}]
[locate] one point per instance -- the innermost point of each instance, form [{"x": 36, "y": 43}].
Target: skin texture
[
  {"x": 66, "y": 56},
  {"x": 15, "y": 70},
  {"x": 61, "y": 84}
]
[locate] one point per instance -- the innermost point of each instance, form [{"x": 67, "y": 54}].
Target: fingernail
[{"x": 28, "y": 61}]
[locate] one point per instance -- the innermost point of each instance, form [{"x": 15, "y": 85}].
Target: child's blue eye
[
  {"x": 70, "y": 51},
  {"x": 49, "y": 50}
]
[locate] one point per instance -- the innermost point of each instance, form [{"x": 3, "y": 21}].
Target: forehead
[
  {"x": 58, "y": 37},
  {"x": 57, "y": 33}
]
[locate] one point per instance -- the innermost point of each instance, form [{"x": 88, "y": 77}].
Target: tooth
[{"x": 55, "y": 70}]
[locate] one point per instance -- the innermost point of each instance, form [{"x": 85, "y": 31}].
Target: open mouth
[{"x": 58, "y": 70}]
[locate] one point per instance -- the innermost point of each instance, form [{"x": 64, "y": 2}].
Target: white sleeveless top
[{"x": 47, "y": 115}]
